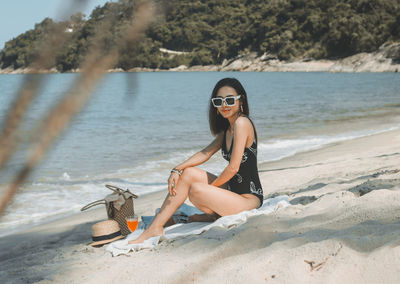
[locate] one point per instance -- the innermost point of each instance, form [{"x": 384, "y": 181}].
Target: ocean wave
[
  {"x": 281, "y": 148},
  {"x": 61, "y": 199},
  {"x": 66, "y": 194}
]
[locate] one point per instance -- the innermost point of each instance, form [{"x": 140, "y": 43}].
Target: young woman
[{"x": 238, "y": 187}]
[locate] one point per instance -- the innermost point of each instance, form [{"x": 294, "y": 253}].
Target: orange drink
[{"x": 132, "y": 222}]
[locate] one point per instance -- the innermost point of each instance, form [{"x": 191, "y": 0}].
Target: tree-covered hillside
[{"x": 209, "y": 31}]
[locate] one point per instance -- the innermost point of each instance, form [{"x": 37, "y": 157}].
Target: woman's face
[{"x": 224, "y": 110}]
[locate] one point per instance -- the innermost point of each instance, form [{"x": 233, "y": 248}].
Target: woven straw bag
[{"x": 119, "y": 204}]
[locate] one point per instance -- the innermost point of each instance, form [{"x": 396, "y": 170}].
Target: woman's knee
[
  {"x": 191, "y": 174},
  {"x": 195, "y": 190}
]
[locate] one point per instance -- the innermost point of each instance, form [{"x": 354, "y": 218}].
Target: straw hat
[{"x": 105, "y": 232}]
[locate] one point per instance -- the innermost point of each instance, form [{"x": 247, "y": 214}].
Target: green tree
[{"x": 214, "y": 30}]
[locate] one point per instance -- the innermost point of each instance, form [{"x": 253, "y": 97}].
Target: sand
[{"x": 343, "y": 227}]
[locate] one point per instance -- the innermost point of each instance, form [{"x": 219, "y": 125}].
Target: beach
[
  {"x": 343, "y": 226},
  {"x": 135, "y": 131}
]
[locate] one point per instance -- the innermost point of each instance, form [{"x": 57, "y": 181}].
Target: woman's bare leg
[
  {"x": 172, "y": 203},
  {"x": 214, "y": 200}
]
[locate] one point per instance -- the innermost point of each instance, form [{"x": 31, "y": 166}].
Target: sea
[{"x": 138, "y": 126}]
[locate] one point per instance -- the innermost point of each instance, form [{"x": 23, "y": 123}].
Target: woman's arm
[
  {"x": 241, "y": 132},
  {"x": 196, "y": 159},
  {"x": 203, "y": 155}
]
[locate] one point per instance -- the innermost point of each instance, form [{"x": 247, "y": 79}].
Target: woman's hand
[{"x": 172, "y": 182}]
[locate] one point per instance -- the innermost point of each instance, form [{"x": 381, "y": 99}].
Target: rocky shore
[{"x": 385, "y": 59}]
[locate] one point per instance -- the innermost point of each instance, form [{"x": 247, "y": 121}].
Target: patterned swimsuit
[{"x": 246, "y": 179}]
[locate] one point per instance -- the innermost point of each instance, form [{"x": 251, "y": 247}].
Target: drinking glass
[{"x": 132, "y": 222}]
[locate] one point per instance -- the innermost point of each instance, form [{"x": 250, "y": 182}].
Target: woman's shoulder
[
  {"x": 243, "y": 122},
  {"x": 243, "y": 125}
]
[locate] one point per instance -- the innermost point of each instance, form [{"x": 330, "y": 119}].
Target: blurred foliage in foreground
[{"x": 209, "y": 31}]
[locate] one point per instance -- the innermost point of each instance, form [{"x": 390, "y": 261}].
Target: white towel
[{"x": 181, "y": 230}]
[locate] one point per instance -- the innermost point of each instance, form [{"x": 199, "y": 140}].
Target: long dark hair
[{"x": 217, "y": 122}]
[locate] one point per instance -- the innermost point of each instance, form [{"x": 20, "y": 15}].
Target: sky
[{"x": 18, "y": 16}]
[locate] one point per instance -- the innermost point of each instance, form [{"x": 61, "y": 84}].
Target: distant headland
[{"x": 211, "y": 35}]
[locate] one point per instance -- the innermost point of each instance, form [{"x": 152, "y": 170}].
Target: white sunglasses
[{"x": 229, "y": 101}]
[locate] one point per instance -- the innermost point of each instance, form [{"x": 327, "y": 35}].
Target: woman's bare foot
[{"x": 147, "y": 234}]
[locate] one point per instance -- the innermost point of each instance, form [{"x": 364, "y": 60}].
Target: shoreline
[
  {"x": 90, "y": 215},
  {"x": 305, "y": 149},
  {"x": 385, "y": 59},
  {"x": 344, "y": 217}
]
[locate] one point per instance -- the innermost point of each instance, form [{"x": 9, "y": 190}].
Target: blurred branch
[
  {"x": 95, "y": 65},
  {"x": 26, "y": 95},
  {"x": 45, "y": 59}
]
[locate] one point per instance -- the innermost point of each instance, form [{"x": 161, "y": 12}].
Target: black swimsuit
[{"x": 246, "y": 179}]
